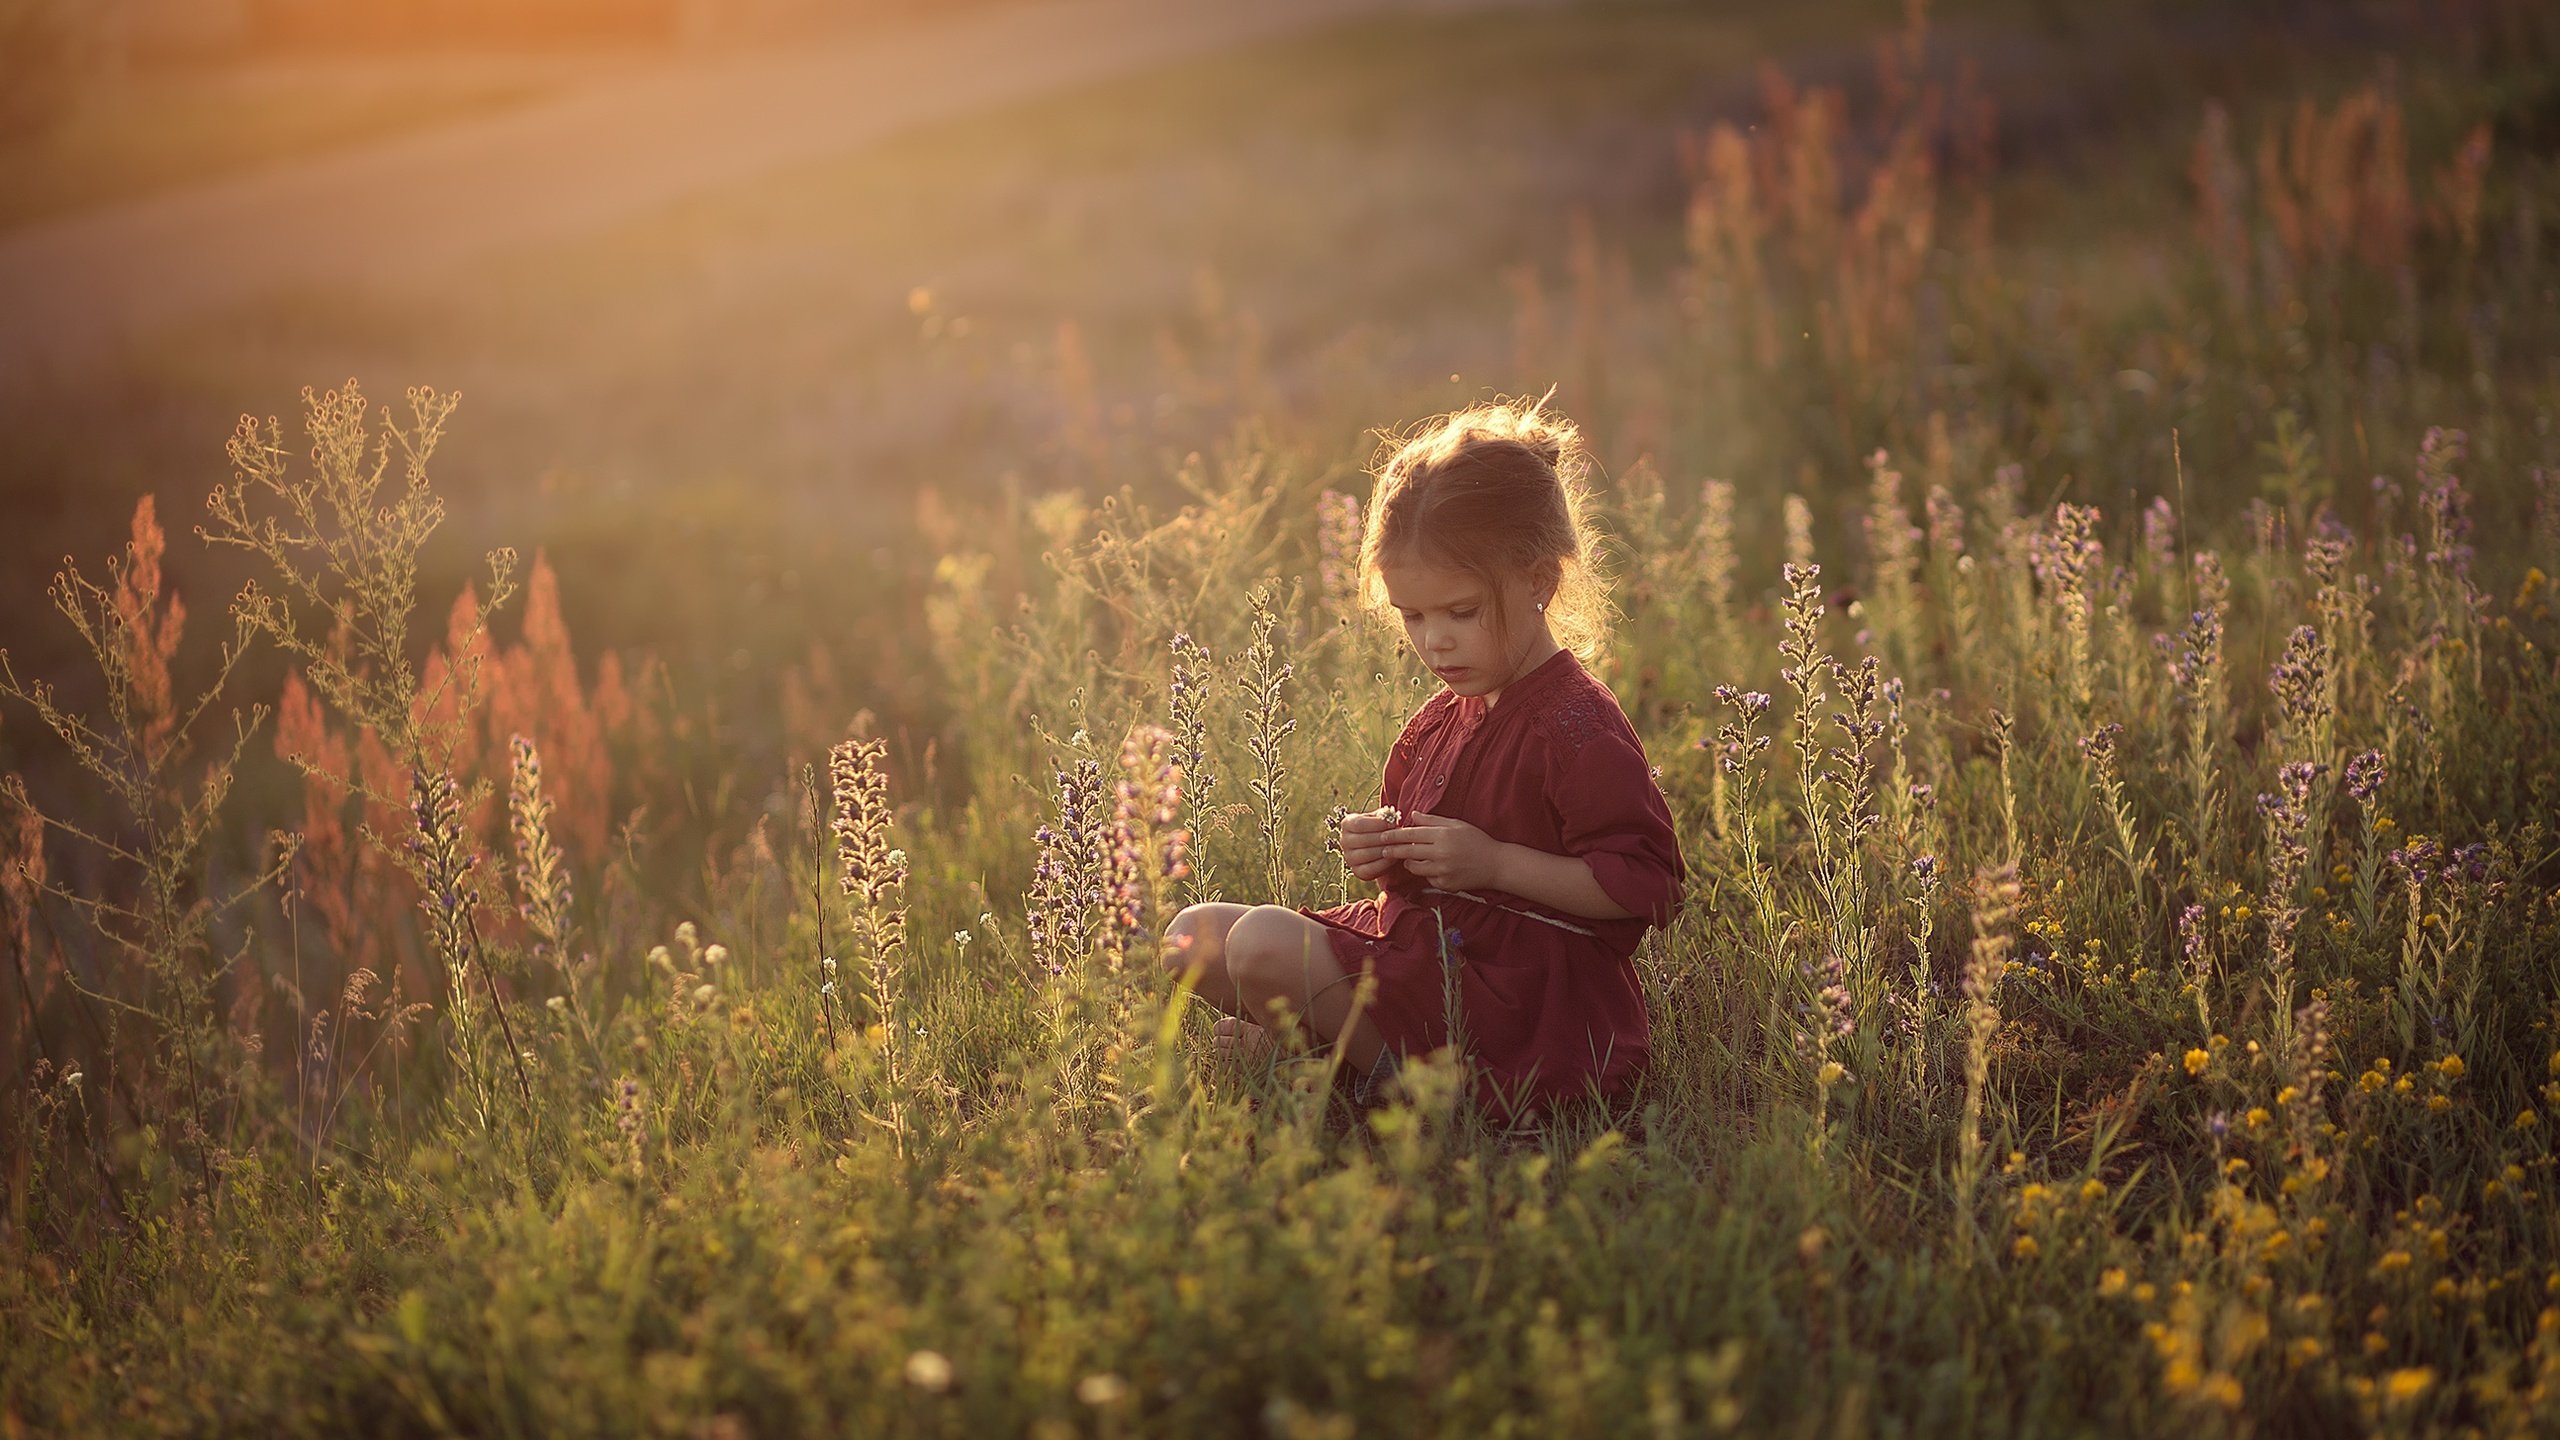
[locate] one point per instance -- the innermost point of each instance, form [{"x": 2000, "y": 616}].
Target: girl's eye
[{"x": 1466, "y": 614}]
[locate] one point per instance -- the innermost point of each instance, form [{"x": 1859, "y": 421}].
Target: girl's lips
[{"x": 1451, "y": 672}]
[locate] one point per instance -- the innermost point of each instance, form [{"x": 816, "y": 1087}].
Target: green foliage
[{"x": 2114, "y": 990}]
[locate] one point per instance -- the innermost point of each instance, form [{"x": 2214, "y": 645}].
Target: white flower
[
  {"x": 928, "y": 1370},
  {"x": 1101, "y": 1389}
]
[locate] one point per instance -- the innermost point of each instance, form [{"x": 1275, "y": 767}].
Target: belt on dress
[{"x": 1514, "y": 909}]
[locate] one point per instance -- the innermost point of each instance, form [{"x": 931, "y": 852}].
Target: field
[{"x": 672, "y": 948}]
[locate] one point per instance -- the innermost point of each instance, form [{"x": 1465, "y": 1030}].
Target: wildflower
[
  {"x": 2092, "y": 1189},
  {"x": 928, "y": 1371},
  {"x": 2111, "y": 1283},
  {"x": 1832, "y": 1073},
  {"x": 2365, "y": 774},
  {"x": 541, "y": 875},
  {"x": 2526, "y": 1120},
  {"x": 2392, "y": 1261},
  {"x": 2402, "y": 1386},
  {"x": 2256, "y": 1117},
  {"x": 1100, "y": 1390},
  {"x": 2025, "y": 1248},
  {"x": 2196, "y": 1060}
]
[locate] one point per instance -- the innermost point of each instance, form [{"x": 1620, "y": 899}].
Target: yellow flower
[
  {"x": 2286, "y": 1095},
  {"x": 2306, "y": 1350},
  {"x": 2493, "y": 1190},
  {"x": 2391, "y": 1261},
  {"x": 2026, "y": 1247},
  {"x": 1831, "y": 1073},
  {"x": 2406, "y": 1385},
  {"x": 2093, "y": 1189},
  {"x": 2242, "y": 913},
  {"x": 2196, "y": 1061},
  {"x": 2439, "y": 1103},
  {"x": 2374, "y": 1344},
  {"x": 2256, "y": 1117},
  {"x": 2402, "y": 1086},
  {"x": 2112, "y": 1282},
  {"x": 2223, "y": 1390},
  {"x": 2514, "y": 1174},
  {"x": 2145, "y": 1293},
  {"x": 2450, "y": 1067},
  {"x": 2526, "y": 1120}
]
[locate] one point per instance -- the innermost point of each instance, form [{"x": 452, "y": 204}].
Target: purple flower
[{"x": 2365, "y": 774}]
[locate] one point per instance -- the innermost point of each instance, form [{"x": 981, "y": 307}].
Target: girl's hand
[
  {"x": 1364, "y": 843},
  {"x": 1451, "y": 854}
]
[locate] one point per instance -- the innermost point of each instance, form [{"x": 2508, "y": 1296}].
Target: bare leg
[
  {"x": 1281, "y": 965},
  {"x": 1247, "y": 959},
  {"x": 1196, "y": 945}
]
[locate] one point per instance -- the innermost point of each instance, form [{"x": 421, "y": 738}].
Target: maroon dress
[{"x": 1548, "y": 1001}]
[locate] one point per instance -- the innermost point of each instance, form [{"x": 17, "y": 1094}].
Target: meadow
[{"x": 2097, "y": 642}]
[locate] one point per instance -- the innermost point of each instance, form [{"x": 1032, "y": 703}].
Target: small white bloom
[
  {"x": 1101, "y": 1389},
  {"x": 928, "y": 1370}
]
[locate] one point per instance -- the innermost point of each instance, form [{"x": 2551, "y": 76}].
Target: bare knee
[
  {"x": 1197, "y": 938},
  {"x": 1268, "y": 951}
]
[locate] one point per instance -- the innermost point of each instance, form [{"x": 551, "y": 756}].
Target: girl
[{"x": 1520, "y": 837}]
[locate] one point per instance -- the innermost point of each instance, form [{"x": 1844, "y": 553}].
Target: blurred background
[{"x": 756, "y": 305}]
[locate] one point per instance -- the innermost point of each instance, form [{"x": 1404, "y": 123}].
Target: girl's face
[{"x": 1449, "y": 617}]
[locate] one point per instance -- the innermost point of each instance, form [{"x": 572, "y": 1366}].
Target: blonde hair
[{"x": 1497, "y": 491}]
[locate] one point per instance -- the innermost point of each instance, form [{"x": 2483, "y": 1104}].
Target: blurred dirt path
[{"x": 74, "y": 291}]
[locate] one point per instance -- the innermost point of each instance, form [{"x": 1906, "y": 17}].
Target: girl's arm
[
  {"x": 1559, "y": 882},
  {"x": 1455, "y": 855}
]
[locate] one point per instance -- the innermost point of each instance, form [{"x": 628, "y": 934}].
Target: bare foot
[{"x": 1242, "y": 1039}]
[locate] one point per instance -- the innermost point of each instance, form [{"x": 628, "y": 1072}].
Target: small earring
[{"x": 1542, "y": 607}]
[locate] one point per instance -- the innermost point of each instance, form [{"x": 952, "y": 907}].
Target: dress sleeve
[{"x": 1612, "y": 817}]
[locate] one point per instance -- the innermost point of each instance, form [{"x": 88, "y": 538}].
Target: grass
[{"x": 2137, "y": 1014}]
